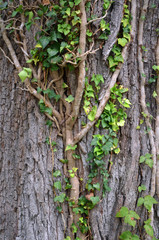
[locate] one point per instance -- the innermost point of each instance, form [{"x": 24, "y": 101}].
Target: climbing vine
[{"x": 64, "y": 39}]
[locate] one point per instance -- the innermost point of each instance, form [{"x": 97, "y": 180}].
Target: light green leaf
[
  {"x": 149, "y": 201},
  {"x": 140, "y": 201},
  {"x": 155, "y": 67},
  {"x": 154, "y": 94},
  {"x": 97, "y": 186},
  {"x": 57, "y": 173},
  {"x": 69, "y": 147},
  {"x": 122, "y": 212},
  {"x": 148, "y": 229},
  {"x": 149, "y": 162},
  {"x": 57, "y": 185},
  {"x": 77, "y": 2},
  {"x": 68, "y": 11},
  {"x": 60, "y": 198},
  {"x": 117, "y": 150},
  {"x": 70, "y": 98},
  {"x": 121, "y": 123},
  {"x": 142, "y": 188},
  {"x": 92, "y": 114},
  {"x": 142, "y": 159},
  {"x": 23, "y": 75},
  {"x": 122, "y": 41},
  {"x": 94, "y": 200}
]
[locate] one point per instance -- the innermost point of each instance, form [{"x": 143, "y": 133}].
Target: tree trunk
[{"x": 27, "y": 207}]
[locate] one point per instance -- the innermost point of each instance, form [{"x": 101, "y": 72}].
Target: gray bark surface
[{"x": 27, "y": 209}]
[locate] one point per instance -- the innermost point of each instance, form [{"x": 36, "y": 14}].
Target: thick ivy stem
[
  {"x": 81, "y": 76},
  {"x": 74, "y": 192}
]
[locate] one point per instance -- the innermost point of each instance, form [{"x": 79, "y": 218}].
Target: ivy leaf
[
  {"x": 57, "y": 185},
  {"x": 142, "y": 188},
  {"x": 92, "y": 114},
  {"x": 122, "y": 41},
  {"x": 44, "y": 41},
  {"x": 112, "y": 62},
  {"x": 149, "y": 162},
  {"x": 77, "y": 2},
  {"x": 142, "y": 159},
  {"x": 60, "y": 198},
  {"x": 154, "y": 94},
  {"x": 148, "y": 229},
  {"x": 94, "y": 200},
  {"x": 97, "y": 186},
  {"x": 48, "y": 110},
  {"x": 117, "y": 150},
  {"x": 121, "y": 123},
  {"x": 97, "y": 79},
  {"x": 155, "y": 67},
  {"x": 23, "y": 75},
  {"x": 70, "y": 98},
  {"x": 122, "y": 212},
  {"x": 57, "y": 173},
  {"x": 149, "y": 201},
  {"x": 127, "y": 235},
  {"x": 52, "y": 52},
  {"x": 140, "y": 201},
  {"x": 69, "y": 147}
]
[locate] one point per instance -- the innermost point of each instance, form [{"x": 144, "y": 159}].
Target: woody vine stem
[{"x": 64, "y": 41}]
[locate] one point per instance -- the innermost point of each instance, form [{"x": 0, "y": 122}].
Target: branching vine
[{"x": 64, "y": 41}]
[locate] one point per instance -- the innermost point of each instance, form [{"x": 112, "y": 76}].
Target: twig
[
  {"x": 6, "y": 56},
  {"x": 56, "y": 79},
  {"x": 100, "y": 18}
]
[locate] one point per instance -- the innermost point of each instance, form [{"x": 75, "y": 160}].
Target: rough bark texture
[{"x": 27, "y": 210}]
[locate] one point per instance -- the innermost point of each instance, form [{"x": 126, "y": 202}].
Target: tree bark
[{"x": 27, "y": 209}]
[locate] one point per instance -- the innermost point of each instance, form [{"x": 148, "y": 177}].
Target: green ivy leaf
[
  {"x": 121, "y": 123},
  {"x": 155, "y": 67},
  {"x": 92, "y": 114},
  {"x": 122, "y": 212},
  {"x": 67, "y": 238},
  {"x": 57, "y": 185},
  {"x": 140, "y": 201},
  {"x": 149, "y": 201},
  {"x": 127, "y": 235},
  {"x": 122, "y": 41},
  {"x": 97, "y": 186},
  {"x": 70, "y": 98},
  {"x": 148, "y": 229},
  {"x": 94, "y": 200},
  {"x": 52, "y": 51},
  {"x": 77, "y": 2},
  {"x": 44, "y": 41},
  {"x": 23, "y": 75},
  {"x": 69, "y": 147},
  {"x": 149, "y": 162},
  {"x": 60, "y": 198},
  {"x": 57, "y": 173},
  {"x": 142, "y": 159},
  {"x": 154, "y": 94},
  {"x": 74, "y": 228},
  {"x": 142, "y": 188}
]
